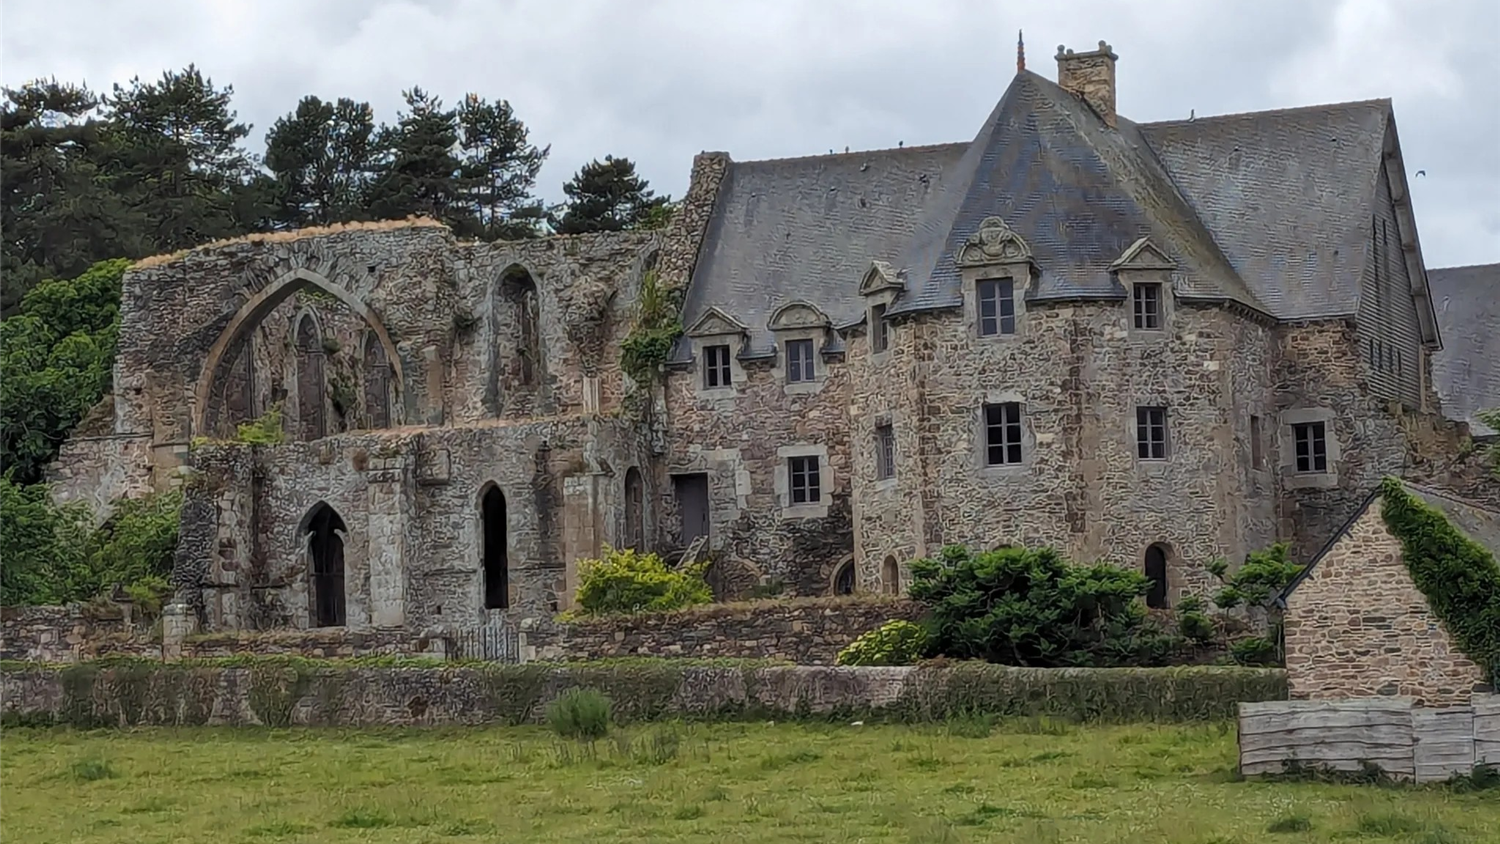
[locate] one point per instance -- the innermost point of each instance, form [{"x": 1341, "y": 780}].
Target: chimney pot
[{"x": 1091, "y": 77}]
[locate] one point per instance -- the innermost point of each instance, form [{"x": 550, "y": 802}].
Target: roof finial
[{"x": 1020, "y": 51}]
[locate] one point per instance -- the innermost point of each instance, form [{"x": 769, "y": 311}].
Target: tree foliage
[
  {"x": 1022, "y": 606},
  {"x": 608, "y": 196},
  {"x": 896, "y": 642},
  {"x": 322, "y": 157},
  {"x": 624, "y": 581},
  {"x": 1258, "y": 581}
]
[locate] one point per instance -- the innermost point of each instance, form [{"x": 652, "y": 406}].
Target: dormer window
[
  {"x": 716, "y": 369},
  {"x": 997, "y": 306},
  {"x": 799, "y": 361},
  {"x": 880, "y": 330},
  {"x": 1147, "y": 299}
]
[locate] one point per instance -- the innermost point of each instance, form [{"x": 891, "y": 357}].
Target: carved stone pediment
[
  {"x": 994, "y": 243},
  {"x": 716, "y": 323},
  {"x": 879, "y": 277},
  {"x": 798, "y": 315},
  {"x": 1143, "y": 255}
]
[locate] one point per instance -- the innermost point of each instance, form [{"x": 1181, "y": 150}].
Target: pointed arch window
[
  {"x": 843, "y": 580},
  {"x": 635, "y": 509},
  {"x": 496, "y": 565},
  {"x": 890, "y": 576},
  {"x": 1156, "y": 572},
  {"x": 324, "y": 537},
  {"x": 377, "y": 383},
  {"x": 312, "y": 419}
]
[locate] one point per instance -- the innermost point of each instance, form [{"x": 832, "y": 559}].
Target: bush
[
  {"x": 624, "y": 581},
  {"x": 1023, "y": 606},
  {"x": 1193, "y": 623},
  {"x": 1255, "y": 650},
  {"x": 1259, "y": 581},
  {"x": 893, "y": 643},
  {"x": 580, "y": 714}
]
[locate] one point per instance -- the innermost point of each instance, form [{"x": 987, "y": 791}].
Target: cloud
[{"x": 659, "y": 80}]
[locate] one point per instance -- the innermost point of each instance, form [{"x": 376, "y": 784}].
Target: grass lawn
[{"x": 1025, "y": 781}]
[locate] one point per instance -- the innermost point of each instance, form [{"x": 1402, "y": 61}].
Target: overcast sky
[{"x": 659, "y": 80}]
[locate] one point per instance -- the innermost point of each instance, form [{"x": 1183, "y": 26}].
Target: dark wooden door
[{"x": 692, "y": 503}]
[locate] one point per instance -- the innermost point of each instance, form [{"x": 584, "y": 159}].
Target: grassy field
[{"x": 1023, "y": 781}]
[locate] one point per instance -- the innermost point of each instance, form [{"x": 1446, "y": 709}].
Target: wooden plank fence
[{"x": 1403, "y": 740}]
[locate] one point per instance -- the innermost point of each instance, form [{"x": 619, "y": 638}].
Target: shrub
[
  {"x": 1023, "y": 606},
  {"x": 264, "y": 430},
  {"x": 1255, "y": 650},
  {"x": 624, "y": 581},
  {"x": 893, "y": 643},
  {"x": 1459, "y": 577},
  {"x": 1193, "y": 623},
  {"x": 1259, "y": 580},
  {"x": 656, "y": 328},
  {"x": 580, "y": 714}
]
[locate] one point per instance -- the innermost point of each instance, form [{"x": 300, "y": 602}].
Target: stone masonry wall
[
  {"x": 54, "y": 634},
  {"x": 802, "y": 631},
  {"x": 1358, "y": 627}
]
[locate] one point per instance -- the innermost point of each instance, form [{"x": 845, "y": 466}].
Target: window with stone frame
[
  {"x": 799, "y": 361},
  {"x": 880, "y": 330},
  {"x": 716, "y": 371},
  {"x": 804, "y": 480},
  {"x": 997, "y": 306},
  {"x": 1311, "y": 439},
  {"x": 885, "y": 452},
  {"x": 1147, "y": 302},
  {"x": 1002, "y": 434},
  {"x": 1151, "y": 433},
  {"x": 1257, "y": 448}
]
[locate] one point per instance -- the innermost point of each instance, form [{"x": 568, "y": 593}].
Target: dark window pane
[
  {"x": 989, "y": 294},
  {"x": 1002, "y": 431},
  {"x": 880, "y": 338},
  {"x": 799, "y": 360}
]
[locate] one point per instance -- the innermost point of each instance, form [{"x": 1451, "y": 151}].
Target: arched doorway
[
  {"x": 312, "y": 423},
  {"x": 843, "y": 580},
  {"x": 890, "y": 576},
  {"x": 1156, "y": 570},
  {"x": 325, "y": 534},
  {"x": 635, "y": 509},
  {"x": 496, "y": 567}
]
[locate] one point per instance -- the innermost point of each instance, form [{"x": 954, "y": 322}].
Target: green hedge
[
  {"x": 280, "y": 692},
  {"x": 1458, "y": 576}
]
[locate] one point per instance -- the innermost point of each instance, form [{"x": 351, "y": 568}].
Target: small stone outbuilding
[{"x": 1358, "y": 626}]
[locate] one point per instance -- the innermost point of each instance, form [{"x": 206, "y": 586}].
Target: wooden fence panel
[
  {"x": 1341, "y": 735},
  {"x": 1444, "y": 742},
  {"x": 1487, "y": 729}
]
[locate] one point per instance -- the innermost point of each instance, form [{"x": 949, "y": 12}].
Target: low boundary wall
[
  {"x": 1393, "y": 734},
  {"x": 303, "y": 692}
]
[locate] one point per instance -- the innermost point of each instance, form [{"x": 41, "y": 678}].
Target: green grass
[{"x": 751, "y": 783}]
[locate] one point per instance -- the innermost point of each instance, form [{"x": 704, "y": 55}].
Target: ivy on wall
[
  {"x": 1459, "y": 577},
  {"x": 657, "y": 327}
]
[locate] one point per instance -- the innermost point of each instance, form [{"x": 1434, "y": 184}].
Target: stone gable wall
[
  {"x": 802, "y": 631},
  {"x": 1358, "y": 627}
]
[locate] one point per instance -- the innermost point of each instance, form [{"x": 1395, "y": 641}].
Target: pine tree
[
  {"x": 178, "y": 159},
  {"x": 322, "y": 157},
  {"x": 608, "y": 196},
  {"x": 499, "y": 168},
  {"x": 419, "y": 171}
]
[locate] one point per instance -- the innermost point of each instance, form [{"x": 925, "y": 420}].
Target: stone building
[
  {"x": 1357, "y": 626},
  {"x": 1155, "y": 344}
]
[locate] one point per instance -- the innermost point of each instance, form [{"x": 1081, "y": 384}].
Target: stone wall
[
  {"x": 280, "y": 695},
  {"x": 55, "y": 634},
  {"x": 801, "y": 631},
  {"x": 1358, "y": 627}
]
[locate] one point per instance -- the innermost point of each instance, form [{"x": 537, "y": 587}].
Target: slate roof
[
  {"x": 1466, "y": 373},
  {"x": 1268, "y": 209}
]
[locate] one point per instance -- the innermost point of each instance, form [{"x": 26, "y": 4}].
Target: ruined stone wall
[
  {"x": 738, "y": 440},
  {"x": 808, "y": 631},
  {"x": 410, "y": 502},
  {"x": 1358, "y": 627},
  {"x": 1317, "y": 370},
  {"x": 55, "y": 633},
  {"x": 1080, "y": 373}
]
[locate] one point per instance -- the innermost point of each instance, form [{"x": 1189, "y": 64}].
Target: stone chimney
[{"x": 1090, "y": 77}]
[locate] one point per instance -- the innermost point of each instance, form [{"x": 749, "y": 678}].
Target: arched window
[
  {"x": 519, "y": 291},
  {"x": 1156, "y": 570},
  {"x": 496, "y": 568},
  {"x": 325, "y": 534},
  {"x": 311, "y": 420},
  {"x": 843, "y": 580},
  {"x": 635, "y": 509},
  {"x": 890, "y": 576},
  {"x": 377, "y": 383}
]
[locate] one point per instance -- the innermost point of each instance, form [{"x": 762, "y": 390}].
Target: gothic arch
[
  {"x": 518, "y": 288},
  {"x": 377, "y": 382},
  {"x": 258, "y": 306},
  {"x": 845, "y": 581},
  {"x": 1158, "y": 555},
  {"x": 635, "y": 510},
  {"x": 890, "y": 576},
  {"x": 312, "y": 380},
  {"x": 494, "y": 550},
  {"x": 323, "y": 534}
]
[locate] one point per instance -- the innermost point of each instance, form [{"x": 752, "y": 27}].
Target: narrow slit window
[
  {"x": 885, "y": 452},
  {"x": 1151, "y": 433},
  {"x": 1312, "y": 446},
  {"x": 1147, "y": 299},
  {"x": 997, "y": 307},
  {"x": 1002, "y": 434},
  {"x": 880, "y": 330},
  {"x": 799, "y": 361},
  {"x": 1257, "y": 450},
  {"x": 716, "y": 367},
  {"x": 805, "y": 481}
]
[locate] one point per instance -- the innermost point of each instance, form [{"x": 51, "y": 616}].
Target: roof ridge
[
  {"x": 1449, "y": 495},
  {"x": 1463, "y": 267},
  {"x": 853, "y": 153},
  {"x": 1237, "y": 115}
]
